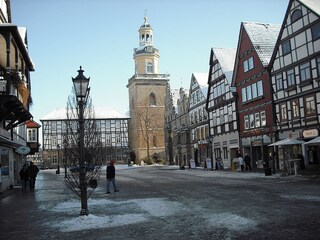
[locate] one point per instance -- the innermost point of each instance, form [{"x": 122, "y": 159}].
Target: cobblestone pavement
[{"x": 165, "y": 202}]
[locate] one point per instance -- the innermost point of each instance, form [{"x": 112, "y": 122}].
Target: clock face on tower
[{"x": 149, "y": 49}]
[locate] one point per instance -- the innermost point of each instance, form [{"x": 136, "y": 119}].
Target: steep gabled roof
[
  {"x": 263, "y": 37},
  {"x": 202, "y": 80},
  {"x": 313, "y": 5},
  {"x": 226, "y": 58}
]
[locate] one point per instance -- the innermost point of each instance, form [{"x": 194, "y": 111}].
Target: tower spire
[{"x": 145, "y": 16}]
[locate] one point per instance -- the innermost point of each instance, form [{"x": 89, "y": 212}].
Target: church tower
[{"x": 147, "y": 93}]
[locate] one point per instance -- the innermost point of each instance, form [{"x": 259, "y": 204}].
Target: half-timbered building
[
  {"x": 199, "y": 121},
  {"x": 15, "y": 97},
  {"x": 111, "y": 126},
  {"x": 253, "y": 89},
  {"x": 295, "y": 72},
  {"x": 224, "y": 137}
]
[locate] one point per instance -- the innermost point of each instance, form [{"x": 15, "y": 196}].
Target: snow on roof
[
  {"x": 202, "y": 79},
  {"x": 175, "y": 95},
  {"x": 263, "y": 37},
  {"x": 226, "y": 58},
  {"x": 99, "y": 112},
  {"x": 314, "y": 5}
]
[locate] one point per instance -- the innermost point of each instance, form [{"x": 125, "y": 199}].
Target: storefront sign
[{"x": 310, "y": 133}]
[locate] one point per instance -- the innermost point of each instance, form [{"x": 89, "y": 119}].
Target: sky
[{"x": 100, "y": 36}]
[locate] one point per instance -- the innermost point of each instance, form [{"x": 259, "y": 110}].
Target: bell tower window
[
  {"x": 150, "y": 68},
  {"x": 152, "y": 99}
]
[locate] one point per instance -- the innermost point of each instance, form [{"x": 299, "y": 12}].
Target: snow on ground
[
  {"x": 303, "y": 198},
  {"x": 230, "y": 221},
  {"x": 146, "y": 209}
]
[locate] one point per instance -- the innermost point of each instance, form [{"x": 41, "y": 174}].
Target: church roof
[{"x": 99, "y": 112}]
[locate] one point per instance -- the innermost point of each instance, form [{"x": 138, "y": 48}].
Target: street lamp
[
  {"x": 81, "y": 87},
  {"x": 58, "y": 167}
]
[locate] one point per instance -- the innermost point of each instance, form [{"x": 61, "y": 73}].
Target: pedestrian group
[{"x": 28, "y": 174}]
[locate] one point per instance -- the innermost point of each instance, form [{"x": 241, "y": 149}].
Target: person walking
[
  {"x": 110, "y": 175},
  {"x": 32, "y": 173},
  {"x": 24, "y": 177},
  {"x": 240, "y": 158},
  {"x": 247, "y": 161}
]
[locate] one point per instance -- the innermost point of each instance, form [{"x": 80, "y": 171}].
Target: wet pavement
[{"x": 165, "y": 202}]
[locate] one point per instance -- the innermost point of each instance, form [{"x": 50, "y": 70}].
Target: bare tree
[
  {"x": 150, "y": 122},
  {"x": 92, "y": 146}
]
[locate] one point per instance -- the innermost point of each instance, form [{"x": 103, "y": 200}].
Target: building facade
[
  {"x": 15, "y": 97},
  {"x": 198, "y": 116},
  {"x": 253, "y": 89},
  {"x": 147, "y": 95},
  {"x": 295, "y": 73},
  {"x": 111, "y": 126},
  {"x": 221, "y": 107},
  {"x": 177, "y": 127}
]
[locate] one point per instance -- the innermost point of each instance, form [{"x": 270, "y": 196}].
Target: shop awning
[
  {"x": 287, "y": 141},
  {"x": 315, "y": 141}
]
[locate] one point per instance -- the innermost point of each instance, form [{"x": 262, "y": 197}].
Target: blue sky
[{"x": 100, "y": 35}]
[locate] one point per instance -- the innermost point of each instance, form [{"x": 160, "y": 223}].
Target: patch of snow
[
  {"x": 230, "y": 221},
  {"x": 304, "y": 198},
  {"x": 91, "y": 221},
  {"x": 163, "y": 207}
]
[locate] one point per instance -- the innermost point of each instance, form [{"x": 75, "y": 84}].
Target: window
[
  {"x": 257, "y": 119},
  {"x": 290, "y": 77},
  {"x": 315, "y": 29},
  {"x": 260, "y": 88},
  {"x": 305, "y": 71},
  {"x": 248, "y": 64},
  {"x": 283, "y": 112},
  {"x": 295, "y": 109},
  {"x": 155, "y": 141},
  {"x": 152, "y": 99},
  {"x": 246, "y": 122},
  {"x": 244, "y": 94},
  {"x": 249, "y": 96},
  {"x": 32, "y": 137},
  {"x": 118, "y": 138},
  {"x": 296, "y": 15},
  {"x": 254, "y": 90},
  {"x": 263, "y": 118},
  {"x": 149, "y": 67},
  {"x": 310, "y": 106},
  {"x": 279, "y": 81},
  {"x": 251, "y": 119},
  {"x": 318, "y": 66},
  {"x": 286, "y": 47}
]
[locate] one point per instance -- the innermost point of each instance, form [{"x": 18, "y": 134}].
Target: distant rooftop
[{"x": 100, "y": 113}]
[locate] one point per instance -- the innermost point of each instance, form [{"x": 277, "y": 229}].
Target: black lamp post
[
  {"x": 81, "y": 87},
  {"x": 58, "y": 167}
]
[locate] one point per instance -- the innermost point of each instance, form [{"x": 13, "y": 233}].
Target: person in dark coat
[
  {"x": 110, "y": 175},
  {"x": 32, "y": 173},
  {"x": 247, "y": 161},
  {"x": 24, "y": 177}
]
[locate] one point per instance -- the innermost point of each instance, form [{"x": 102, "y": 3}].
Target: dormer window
[{"x": 296, "y": 15}]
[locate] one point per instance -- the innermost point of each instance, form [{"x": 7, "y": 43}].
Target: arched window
[
  {"x": 152, "y": 99},
  {"x": 149, "y": 67},
  {"x": 155, "y": 141},
  {"x": 296, "y": 15}
]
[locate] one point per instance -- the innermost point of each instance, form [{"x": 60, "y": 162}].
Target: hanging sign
[{"x": 23, "y": 150}]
